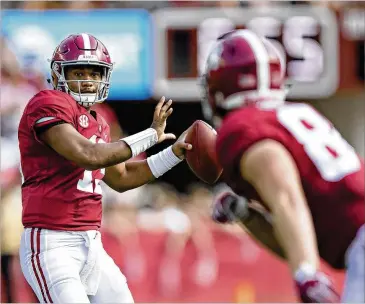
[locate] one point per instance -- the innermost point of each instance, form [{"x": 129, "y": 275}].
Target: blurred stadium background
[{"x": 160, "y": 234}]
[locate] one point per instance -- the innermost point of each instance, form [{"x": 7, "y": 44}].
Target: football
[{"x": 202, "y": 158}]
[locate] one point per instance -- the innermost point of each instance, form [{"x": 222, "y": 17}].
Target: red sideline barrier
[{"x": 246, "y": 273}]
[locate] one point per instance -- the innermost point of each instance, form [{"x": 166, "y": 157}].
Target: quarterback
[
  {"x": 65, "y": 153},
  {"x": 291, "y": 162}
]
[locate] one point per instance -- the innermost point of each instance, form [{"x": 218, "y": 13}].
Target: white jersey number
[
  {"x": 329, "y": 151},
  {"x": 86, "y": 183}
]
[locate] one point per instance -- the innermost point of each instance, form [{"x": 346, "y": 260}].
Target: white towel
[{"x": 90, "y": 273}]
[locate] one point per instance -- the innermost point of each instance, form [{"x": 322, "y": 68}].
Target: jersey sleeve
[
  {"x": 231, "y": 144},
  {"x": 236, "y": 136},
  {"x": 49, "y": 110}
]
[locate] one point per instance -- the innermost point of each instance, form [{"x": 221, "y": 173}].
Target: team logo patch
[{"x": 83, "y": 121}]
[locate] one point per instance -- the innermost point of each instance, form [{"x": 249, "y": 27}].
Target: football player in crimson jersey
[
  {"x": 65, "y": 154},
  {"x": 291, "y": 160}
]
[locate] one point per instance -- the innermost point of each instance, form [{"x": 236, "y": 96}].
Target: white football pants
[
  {"x": 354, "y": 290},
  {"x": 71, "y": 267}
]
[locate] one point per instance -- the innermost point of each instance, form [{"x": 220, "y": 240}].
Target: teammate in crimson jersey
[
  {"x": 291, "y": 160},
  {"x": 65, "y": 154}
]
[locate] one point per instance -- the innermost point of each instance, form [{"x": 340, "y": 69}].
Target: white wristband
[
  {"x": 141, "y": 141},
  {"x": 162, "y": 162}
]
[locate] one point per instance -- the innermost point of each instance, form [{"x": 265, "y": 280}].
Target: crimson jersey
[
  {"x": 56, "y": 193},
  {"x": 332, "y": 174}
]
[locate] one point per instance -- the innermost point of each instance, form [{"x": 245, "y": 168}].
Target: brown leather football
[{"x": 202, "y": 158}]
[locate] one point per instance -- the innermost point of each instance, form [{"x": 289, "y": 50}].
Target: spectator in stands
[
  {"x": 15, "y": 92},
  {"x": 44, "y": 5},
  {"x": 197, "y": 206},
  {"x": 120, "y": 224}
]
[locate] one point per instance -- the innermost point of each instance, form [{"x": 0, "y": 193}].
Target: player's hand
[
  {"x": 162, "y": 112},
  {"x": 317, "y": 288},
  {"x": 228, "y": 207},
  {"x": 180, "y": 146}
]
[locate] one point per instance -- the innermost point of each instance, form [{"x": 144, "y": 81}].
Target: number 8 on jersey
[{"x": 329, "y": 151}]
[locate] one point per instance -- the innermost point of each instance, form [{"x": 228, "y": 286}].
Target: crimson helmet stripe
[
  {"x": 270, "y": 47},
  {"x": 262, "y": 59},
  {"x": 87, "y": 45}
]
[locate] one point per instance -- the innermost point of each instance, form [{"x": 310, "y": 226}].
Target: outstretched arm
[
  {"x": 258, "y": 224},
  {"x": 68, "y": 142},
  {"x": 251, "y": 216},
  {"x": 270, "y": 168}
]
